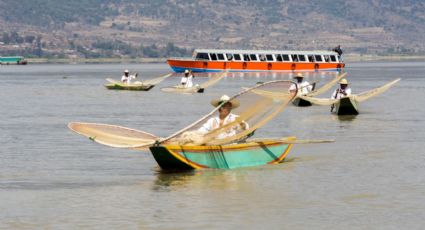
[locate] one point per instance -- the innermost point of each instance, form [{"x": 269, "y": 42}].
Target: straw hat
[
  {"x": 343, "y": 82},
  {"x": 126, "y": 71},
  {"x": 299, "y": 75},
  {"x": 223, "y": 99}
]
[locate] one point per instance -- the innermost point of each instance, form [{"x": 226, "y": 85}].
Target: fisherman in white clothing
[
  {"x": 126, "y": 78},
  {"x": 224, "y": 117},
  {"x": 304, "y": 87},
  {"x": 187, "y": 79},
  {"x": 342, "y": 91}
]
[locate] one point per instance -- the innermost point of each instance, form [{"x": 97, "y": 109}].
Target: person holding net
[
  {"x": 187, "y": 79},
  {"x": 224, "y": 125},
  {"x": 126, "y": 78},
  {"x": 223, "y": 118},
  {"x": 304, "y": 87}
]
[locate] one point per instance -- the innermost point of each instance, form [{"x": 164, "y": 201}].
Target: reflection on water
[
  {"x": 371, "y": 177},
  {"x": 347, "y": 117}
]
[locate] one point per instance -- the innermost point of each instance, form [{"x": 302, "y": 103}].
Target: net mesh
[
  {"x": 257, "y": 106},
  {"x": 113, "y": 135},
  {"x": 155, "y": 81},
  {"x": 213, "y": 79},
  {"x": 319, "y": 101},
  {"x": 326, "y": 86},
  {"x": 374, "y": 92}
]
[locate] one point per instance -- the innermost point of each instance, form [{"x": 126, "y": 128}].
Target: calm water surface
[{"x": 372, "y": 177}]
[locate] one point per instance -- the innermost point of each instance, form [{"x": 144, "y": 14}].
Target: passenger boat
[
  {"x": 18, "y": 60},
  {"x": 216, "y": 60},
  {"x": 220, "y": 156}
]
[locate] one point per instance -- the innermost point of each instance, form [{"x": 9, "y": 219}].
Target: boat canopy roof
[{"x": 317, "y": 52}]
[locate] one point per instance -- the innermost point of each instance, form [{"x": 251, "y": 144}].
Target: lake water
[{"x": 372, "y": 177}]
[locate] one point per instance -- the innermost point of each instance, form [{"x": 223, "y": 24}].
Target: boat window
[
  {"x": 333, "y": 58},
  {"x": 202, "y": 56},
  {"x": 229, "y": 57},
  {"x": 301, "y": 58},
  {"x": 285, "y": 57},
  {"x": 253, "y": 57},
  {"x": 327, "y": 59},
  {"x": 213, "y": 56},
  {"x": 310, "y": 58},
  {"x": 269, "y": 57},
  {"x": 220, "y": 57},
  {"x": 262, "y": 57},
  {"x": 318, "y": 58},
  {"x": 237, "y": 57},
  {"x": 294, "y": 57},
  {"x": 246, "y": 57},
  {"x": 278, "y": 57}
]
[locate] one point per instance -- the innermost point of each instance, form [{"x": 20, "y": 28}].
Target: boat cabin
[{"x": 266, "y": 56}]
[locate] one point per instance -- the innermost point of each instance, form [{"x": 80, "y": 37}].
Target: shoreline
[
  {"x": 347, "y": 58},
  {"x": 93, "y": 60}
]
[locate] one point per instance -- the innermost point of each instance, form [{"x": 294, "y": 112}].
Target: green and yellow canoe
[
  {"x": 172, "y": 157},
  {"x": 124, "y": 86}
]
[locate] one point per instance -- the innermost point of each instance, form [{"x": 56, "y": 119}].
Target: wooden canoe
[
  {"x": 175, "y": 157},
  {"x": 180, "y": 89},
  {"x": 349, "y": 105},
  {"x": 123, "y": 86},
  {"x": 197, "y": 88},
  {"x": 301, "y": 102},
  {"x": 304, "y": 103},
  {"x": 346, "y": 106}
]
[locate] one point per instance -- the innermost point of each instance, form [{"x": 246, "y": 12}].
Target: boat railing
[{"x": 183, "y": 58}]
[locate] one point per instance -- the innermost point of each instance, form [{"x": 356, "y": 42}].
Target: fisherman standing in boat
[
  {"x": 339, "y": 51},
  {"x": 224, "y": 117},
  {"x": 187, "y": 79},
  {"x": 304, "y": 87},
  {"x": 342, "y": 91},
  {"x": 126, "y": 78}
]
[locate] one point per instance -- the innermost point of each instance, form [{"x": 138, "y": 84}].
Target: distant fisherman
[
  {"x": 126, "y": 78},
  {"x": 339, "y": 51},
  {"x": 342, "y": 91},
  {"x": 187, "y": 79},
  {"x": 304, "y": 87}
]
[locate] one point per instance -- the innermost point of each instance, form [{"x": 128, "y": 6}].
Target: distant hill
[{"x": 160, "y": 28}]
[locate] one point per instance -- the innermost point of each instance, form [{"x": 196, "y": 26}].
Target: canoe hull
[
  {"x": 301, "y": 102},
  {"x": 172, "y": 157},
  {"x": 129, "y": 87},
  {"x": 177, "y": 89},
  {"x": 346, "y": 106},
  {"x": 18, "y": 60}
]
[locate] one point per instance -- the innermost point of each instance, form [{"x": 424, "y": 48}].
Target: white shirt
[
  {"x": 337, "y": 93},
  {"x": 303, "y": 87},
  {"x": 187, "y": 82},
  {"x": 214, "y": 123},
  {"x": 127, "y": 79}
]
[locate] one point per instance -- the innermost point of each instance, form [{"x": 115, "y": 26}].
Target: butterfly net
[
  {"x": 252, "y": 109},
  {"x": 113, "y": 135}
]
